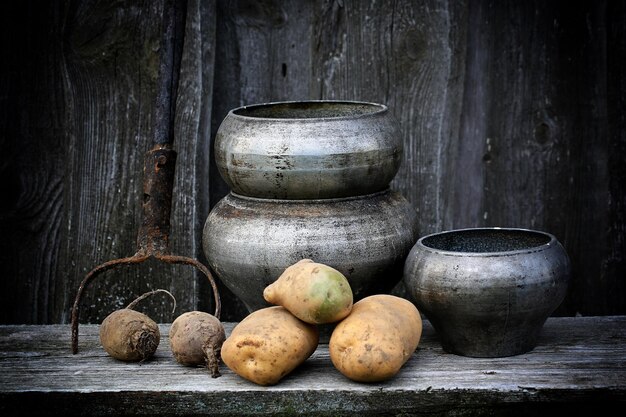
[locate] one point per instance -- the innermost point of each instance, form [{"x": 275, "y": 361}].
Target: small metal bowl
[
  {"x": 308, "y": 149},
  {"x": 487, "y": 291}
]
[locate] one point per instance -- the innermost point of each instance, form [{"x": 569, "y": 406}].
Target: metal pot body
[
  {"x": 308, "y": 149},
  {"x": 249, "y": 242},
  {"x": 487, "y": 291}
]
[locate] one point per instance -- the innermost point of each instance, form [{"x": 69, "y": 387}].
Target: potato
[
  {"x": 376, "y": 339},
  {"x": 268, "y": 344},
  {"x": 313, "y": 292}
]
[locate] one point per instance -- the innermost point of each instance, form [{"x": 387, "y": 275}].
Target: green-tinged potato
[
  {"x": 129, "y": 335},
  {"x": 313, "y": 292},
  {"x": 376, "y": 339},
  {"x": 268, "y": 344}
]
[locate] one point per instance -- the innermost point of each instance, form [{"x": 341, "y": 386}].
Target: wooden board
[
  {"x": 512, "y": 114},
  {"x": 579, "y": 364},
  {"x": 504, "y": 115},
  {"x": 78, "y": 120}
]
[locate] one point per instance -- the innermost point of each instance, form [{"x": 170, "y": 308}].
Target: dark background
[{"x": 512, "y": 114}]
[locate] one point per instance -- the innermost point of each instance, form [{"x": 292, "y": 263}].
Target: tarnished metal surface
[
  {"x": 487, "y": 291},
  {"x": 308, "y": 150},
  {"x": 249, "y": 241}
]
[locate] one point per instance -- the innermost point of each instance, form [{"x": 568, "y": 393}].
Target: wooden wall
[{"x": 512, "y": 114}]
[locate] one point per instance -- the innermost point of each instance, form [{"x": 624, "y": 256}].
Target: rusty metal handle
[{"x": 158, "y": 186}]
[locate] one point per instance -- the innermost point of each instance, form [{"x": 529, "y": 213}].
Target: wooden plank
[
  {"x": 32, "y": 135},
  {"x": 108, "y": 148},
  {"x": 614, "y": 264},
  {"x": 579, "y": 363},
  {"x": 542, "y": 81},
  {"x": 264, "y": 49},
  {"x": 534, "y": 147},
  {"x": 409, "y": 56},
  {"x": 109, "y": 123},
  {"x": 193, "y": 129},
  {"x": 547, "y": 173},
  {"x": 79, "y": 135}
]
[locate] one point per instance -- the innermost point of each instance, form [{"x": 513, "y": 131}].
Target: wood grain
[
  {"x": 512, "y": 114},
  {"x": 81, "y": 180},
  {"x": 579, "y": 363},
  {"x": 32, "y": 144},
  {"x": 264, "y": 49},
  {"x": 408, "y": 56},
  {"x": 614, "y": 265},
  {"x": 533, "y": 161},
  {"x": 534, "y": 150}
]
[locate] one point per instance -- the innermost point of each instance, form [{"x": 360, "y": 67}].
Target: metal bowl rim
[
  {"x": 382, "y": 109},
  {"x": 311, "y": 200},
  {"x": 551, "y": 243}
]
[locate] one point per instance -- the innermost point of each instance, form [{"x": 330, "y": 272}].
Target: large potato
[
  {"x": 268, "y": 344},
  {"x": 311, "y": 291},
  {"x": 376, "y": 339}
]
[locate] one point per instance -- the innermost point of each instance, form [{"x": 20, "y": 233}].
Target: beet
[
  {"x": 196, "y": 338},
  {"x": 129, "y": 335}
]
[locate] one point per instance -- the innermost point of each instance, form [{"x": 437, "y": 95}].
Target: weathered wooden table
[{"x": 578, "y": 367}]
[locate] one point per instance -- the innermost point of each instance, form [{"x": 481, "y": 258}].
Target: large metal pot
[
  {"x": 308, "y": 149},
  {"x": 487, "y": 291},
  {"x": 250, "y": 241}
]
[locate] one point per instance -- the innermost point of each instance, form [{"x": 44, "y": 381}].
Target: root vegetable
[
  {"x": 268, "y": 344},
  {"x": 196, "y": 338},
  {"x": 313, "y": 292},
  {"x": 376, "y": 339},
  {"x": 129, "y": 335}
]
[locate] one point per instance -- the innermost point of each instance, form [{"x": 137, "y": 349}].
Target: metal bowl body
[
  {"x": 487, "y": 291},
  {"x": 249, "y": 242},
  {"x": 308, "y": 149}
]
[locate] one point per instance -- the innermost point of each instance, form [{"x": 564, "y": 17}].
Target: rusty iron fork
[
  {"x": 159, "y": 165},
  {"x": 153, "y": 235}
]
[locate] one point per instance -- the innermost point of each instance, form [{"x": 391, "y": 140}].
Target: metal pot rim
[
  {"x": 531, "y": 249},
  {"x": 310, "y": 200},
  {"x": 382, "y": 108}
]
